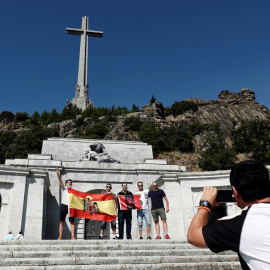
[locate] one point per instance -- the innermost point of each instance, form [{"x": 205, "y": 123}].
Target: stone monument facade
[
  {"x": 81, "y": 99},
  {"x": 30, "y": 193}
]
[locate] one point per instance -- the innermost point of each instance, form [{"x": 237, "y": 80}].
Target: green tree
[
  {"x": 135, "y": 108},
  {"x": 180, "y": 107},
  {"x": 7, "y": 116},
  {"x": 253, "y": 137},
  {"x": 54, "y": 116},
  {"x": 216, "y": 155},
  {"x": 197, "y": 128},
  {"x": 30, "y": 141},
  {"x": 152, "y": 100},
  {"x": 98, "y": 131},
  {"x": 35, "y": 118},
  {"x": 6, "y": 141},
  {"x": 133, "y": 123},
  {"x": 21, "y": 116},
  {"x": 148, "y": 134},
  {"x": 44, "y": 118},
  {"x": 70, "y": 112}
]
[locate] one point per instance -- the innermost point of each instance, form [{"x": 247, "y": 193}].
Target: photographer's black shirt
[{"x": 247, "y": 233}]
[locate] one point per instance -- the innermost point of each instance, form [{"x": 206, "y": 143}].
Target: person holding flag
[
  {"x": 104, "y": 223},
  {"x": 144, "y": 212},
  {"x": 64, "y": 207},
  {"x": 124, "y": 215}
]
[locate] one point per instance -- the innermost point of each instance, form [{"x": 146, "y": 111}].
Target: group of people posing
[{"x": 157, "y": 209}]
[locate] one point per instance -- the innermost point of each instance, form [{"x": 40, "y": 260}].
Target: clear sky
[{"x": 171, "y": 49}]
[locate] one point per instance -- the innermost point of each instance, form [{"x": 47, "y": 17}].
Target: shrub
[
  {"x": 54, "y": 116},
  {"x": 132, "y": 124},
  {"x": 98, "y": 131},
  {"x": 180, "y": 107},
  {"x": 44, "y": 118},
  {"x": 166, "y": 139},
  {"x": 70, "y": 112},
  {"x": 135, "y": 108},
  {"x": 216, "y": 155},
  {"x": 253, "y": 136},
  {"x": 21, "y": 116},
  {"x": 7, "y": 116}
]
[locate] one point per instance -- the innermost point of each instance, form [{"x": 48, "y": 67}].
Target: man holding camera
[{"x": 246, "y": 233}]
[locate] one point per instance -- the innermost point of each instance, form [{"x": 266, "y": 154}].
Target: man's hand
[
  {"x": 167, "y": 210},
  {"x": 195, "y": 236},
  {"x": 210, "y": 194},
  {"x": 59, "y": 177}
]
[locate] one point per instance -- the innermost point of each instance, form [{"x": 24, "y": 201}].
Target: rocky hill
[{"x": 229, "y": 110}]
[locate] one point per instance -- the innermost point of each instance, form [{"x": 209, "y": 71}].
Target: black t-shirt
[
  {"x": 247, "y": 233},
  {"x": 156, "y": 198}
]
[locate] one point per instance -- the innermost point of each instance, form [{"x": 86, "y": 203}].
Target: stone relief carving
[{"x": 98, "y": 153}]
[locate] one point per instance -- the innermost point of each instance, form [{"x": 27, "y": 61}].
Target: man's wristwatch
[{"x": 206, "y": 204}]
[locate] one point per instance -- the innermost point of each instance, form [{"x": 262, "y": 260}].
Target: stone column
[{"x": 35, "y": 214}]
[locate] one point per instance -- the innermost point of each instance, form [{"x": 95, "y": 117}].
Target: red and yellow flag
[{"x": 91, "y": 206}]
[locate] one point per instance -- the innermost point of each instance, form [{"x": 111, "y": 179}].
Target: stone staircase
[{"x": 111, "y": 254}]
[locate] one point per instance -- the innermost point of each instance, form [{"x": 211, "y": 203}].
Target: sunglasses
[{"x": 108, "y": 187}]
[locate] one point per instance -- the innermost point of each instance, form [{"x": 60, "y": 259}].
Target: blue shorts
[{"x": 143, "y": 214}]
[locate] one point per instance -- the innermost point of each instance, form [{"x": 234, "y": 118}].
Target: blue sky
[{"x": 172, "y": 49}]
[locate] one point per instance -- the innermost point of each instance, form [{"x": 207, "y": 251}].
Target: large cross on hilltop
[{"x": 81, "y": 99}]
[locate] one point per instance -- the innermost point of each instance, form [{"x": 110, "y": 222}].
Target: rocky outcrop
[
  {"x": 230, "y": 109},
  {"x": 67, "y": 129},
  {"x": 118, "y": 129},
  {"x": 152, "y": 112}
]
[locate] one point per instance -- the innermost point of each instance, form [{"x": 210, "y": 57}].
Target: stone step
[
  {"x": 106, "y": 253},
  {"x": 111, "y": 254},
  {"x": 161, "y": 266},
  {"x": 95, "y": 242},
  {"x": 116, "y": 260},
  {"x": 92, "y": 246}
]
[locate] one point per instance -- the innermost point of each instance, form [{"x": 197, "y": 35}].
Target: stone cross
[{"x": 81, "y": 99}]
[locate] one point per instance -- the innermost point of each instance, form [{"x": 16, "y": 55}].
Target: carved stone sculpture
[{"x": 98, "y": 153}]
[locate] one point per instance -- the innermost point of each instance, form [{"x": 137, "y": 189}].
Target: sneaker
[
  {"x": 100, "y": 237},
  {"x": 59, "y": 237},
  {"x": 167, "y": 236},
  {"x": 149, "y": 238},
  {"x": 115, "y": 238},
  {"x": 73, "y": 238},
  {"x": 141, "y": 238},
  {"x": 158, "y": 237}
]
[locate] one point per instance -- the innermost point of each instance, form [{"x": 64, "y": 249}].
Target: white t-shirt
[
  {"x": 64, "y": 199},
  {"x": 246, "y": 233},
  {"x": 144, "y": 198}
]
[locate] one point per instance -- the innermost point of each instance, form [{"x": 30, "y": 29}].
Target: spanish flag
[{"x": 91, "y": 206}]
